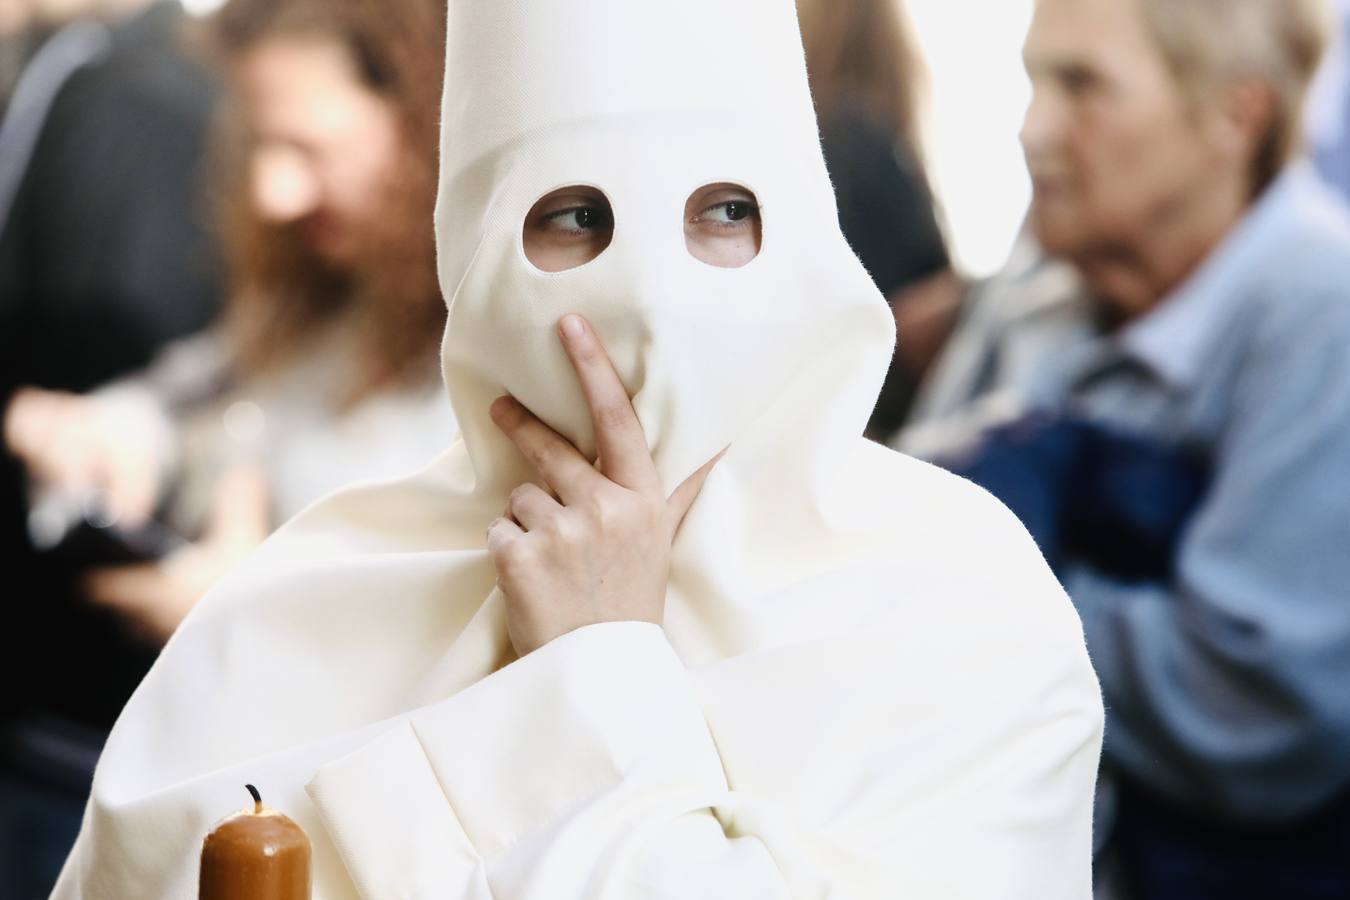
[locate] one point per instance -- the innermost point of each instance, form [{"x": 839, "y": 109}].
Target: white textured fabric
[{"x": 868, "y": 683}]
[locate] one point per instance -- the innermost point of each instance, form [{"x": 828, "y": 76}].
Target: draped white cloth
[{"x": 868, "y": 683}]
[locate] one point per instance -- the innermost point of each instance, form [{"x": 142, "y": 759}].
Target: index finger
[
  {"x": 624, "y": 455},
  {"x": 567, "y": 472}
]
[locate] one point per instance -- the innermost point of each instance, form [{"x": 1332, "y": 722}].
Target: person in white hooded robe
[{"x": 843, "y": 673}]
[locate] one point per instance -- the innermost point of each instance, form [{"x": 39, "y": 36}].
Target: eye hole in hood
[
  {"x": 571, "y": 226},
  {"x": 568, "y": 228},
  {"x": 722, "y": 225}
]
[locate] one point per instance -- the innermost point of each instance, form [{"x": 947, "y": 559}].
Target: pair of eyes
[{"x": 573, "y": 225}]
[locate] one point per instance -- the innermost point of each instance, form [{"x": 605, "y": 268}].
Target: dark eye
[
  {"x": 722, "y": 225},
  {"x": 736, "y": 210},
  {"x": 578, "y": 218},
  {"x": 568, "y": 228},
  {"x": 729, "y": 211}
]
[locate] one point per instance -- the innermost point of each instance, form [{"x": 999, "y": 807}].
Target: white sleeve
[
  {"x": 555, "y": 777},
  {"x": 587, "y": 769}
]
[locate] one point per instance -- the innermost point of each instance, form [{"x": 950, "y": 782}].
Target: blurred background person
[
  {"x": 867, "y": 80},
  {"x": 104, "y": 253},
  {"x": 322, "y": 369},
  {"x": 104, "y": 257},
  {"x": 1160, "y": 387}
]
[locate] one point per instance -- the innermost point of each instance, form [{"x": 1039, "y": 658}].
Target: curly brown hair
[{"x": 280, "y": 289}]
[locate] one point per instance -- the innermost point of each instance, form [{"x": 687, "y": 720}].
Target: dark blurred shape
[
  {"x": 1090, "y": 492},
  {"x": 885, "y": 206},
  {"x": 104, "y": 257},
  {"x": 1159, "y": 843},
  {"x": 95, "y": 542},
  {"x": 50, "y": 57},
  {"x": 1132, "y": 502},
  {"x": 866, "y": 77}
]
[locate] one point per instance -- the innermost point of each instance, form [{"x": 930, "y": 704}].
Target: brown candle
[{"x": 255, "y": 854}]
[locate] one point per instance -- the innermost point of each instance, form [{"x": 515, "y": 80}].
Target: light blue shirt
[{"x": 1228, "y": 689}]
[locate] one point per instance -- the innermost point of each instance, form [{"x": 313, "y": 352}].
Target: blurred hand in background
[
  {"x": 77, "y": 444},
  {"x": 154, "y": 598}
]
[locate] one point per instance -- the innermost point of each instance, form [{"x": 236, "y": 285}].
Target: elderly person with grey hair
[{"x": 1159, "y": 384}]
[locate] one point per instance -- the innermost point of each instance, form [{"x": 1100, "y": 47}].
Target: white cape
[{"x": 868, "y": 683}]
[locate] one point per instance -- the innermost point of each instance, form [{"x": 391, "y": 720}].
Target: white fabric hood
[
  {"x": 782, "y": 357},
  {"x": 868, "y": 683}
]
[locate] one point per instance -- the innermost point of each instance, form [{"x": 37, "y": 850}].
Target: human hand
[
  {"x": 74, "y": 444},
  {"x": 154, "y": 598},
  {"x": 599, "y": 551}
]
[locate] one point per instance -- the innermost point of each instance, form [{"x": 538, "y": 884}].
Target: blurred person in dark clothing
[
  {"x": 104, "y": 251},
  {"x": 1159, "y": 384},
  {"x": 103, "y": 258},
  {"x": 866, "y": 80}
]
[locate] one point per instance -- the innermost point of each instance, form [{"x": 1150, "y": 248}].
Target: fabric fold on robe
[{"x": 930, "y": 748}]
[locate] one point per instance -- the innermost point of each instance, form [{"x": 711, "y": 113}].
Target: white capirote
[{"x": 868, "y": 683}]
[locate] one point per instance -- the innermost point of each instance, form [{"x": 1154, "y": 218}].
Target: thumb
[{"x": 684, "y": 496}]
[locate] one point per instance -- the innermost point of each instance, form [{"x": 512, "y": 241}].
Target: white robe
[
  {"x": 867, "y": 682},
  {"x": 935, "y": 736}
]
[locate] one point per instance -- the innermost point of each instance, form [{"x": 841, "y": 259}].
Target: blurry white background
[
  {"x": 202, "y": 7},
  {"x": 978, "y": 94}
]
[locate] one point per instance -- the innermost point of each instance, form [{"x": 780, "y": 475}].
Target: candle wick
[{"x": 257, "y": 798}]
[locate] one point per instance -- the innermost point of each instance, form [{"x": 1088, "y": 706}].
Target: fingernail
[{"x": 573, "y": 328}]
